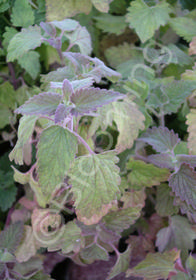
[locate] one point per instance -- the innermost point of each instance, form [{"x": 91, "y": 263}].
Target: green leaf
[
  {"x": 81, "y": 37},
  {"x": 95, "y": 181},
  {"x": 8, "y": 35},
  {"x": 191, "y": 265},
  {"x": 111, "y": 24},
  {"x": 7, "y": 189},
  {"x": 7, "y": 96},
  {"x": 178, "y": 234},
  {"x": 165, "y": 202},
  {"x": 94, "y": 252},
  {"x": 65, "y": 25},
  {"x": 155, "y": 266},
  {"x": 42, "y": 104},
  {"x": 56, "y": 151},
  {"x": 121, "y": 219},
  {"x": 116, "y": 55},
  {"x": 181, "y": 276},
  {"x": 5, "y": 116},
  {"x": 183, "y": 184},
  {"x": 88, "y": 99},
  {"x": 102, "y": 5},
  {"x": 66, "y": 8},
  {"x": 160, "y": 138},
  {"x": 127, "y": 118},
  {"x": 72, "y": 239},
  {"x": 178, "y": 25},
  {"x": 191, "y": 121},
  {"x": 22, "y": 14},
  {"x": 152, "y": 18},
  {"x": 29, "y": 38},
  {"x": 29, "y": 268},
  {"x": 145, "y": 175},
  {"x": 25, "y": 131},
  {"x": 27, "y": 248},
  {"x": 30, "y": 62},
  {"x": 121, "y": 265},
  {"x": 11, "y": 237},
  {"x": 40, "y": 276}
]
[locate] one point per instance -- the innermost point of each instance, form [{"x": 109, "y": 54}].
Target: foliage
[{"x": 97, "y": 155}]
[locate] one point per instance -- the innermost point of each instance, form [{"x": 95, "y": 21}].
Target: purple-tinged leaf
[
  {"x": 48, "y": 28},
  {"x": 67, "y": 89},
  {"x": 94, "y": 252},
  {"x": 88, "y": 99},
  {"x": 66, "y": 24},
  {"x": 187, "y": 159},
  {"x": 42, "y": 104},
  {"x": 183, "y": 183},
  {"x": 11, "y": 237},
  {"x": 160, "y": 138},
  {"x": 186, "y": 209},
  {"x": 178, "y": 234},
  {"x": 61, "y": 113},
  {"x": 162, "y": 160}
]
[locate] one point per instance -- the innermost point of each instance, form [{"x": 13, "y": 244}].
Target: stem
[
  {"x": 12, "y": 73},
  {"x": 115, "y": 249},
  {"x": 61, "y": 56},
  {"x": 69, "y": 47},
  {"x": 162, "y": 119},
  {"x": 82, "y": 141}
]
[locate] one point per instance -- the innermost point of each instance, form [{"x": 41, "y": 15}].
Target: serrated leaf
[
  {"x": 121, "y": 265},
  {"x": 163, "y": 160},
  {"x": 102, "y": 5},
  {"x": 72, "y": 240},
  {"x": 183, "y": 184},
  {"x": 152, "y": 18},
  {"x": 191, "y": 121},
  {"x": 94, "y": 252},
  {"x": 95, "y": 181},
  {"x": 11, "y": 237},
  {"x": 116, "y": 55},
  {"x": 178, "y": 234},
  {"x": 61, "y": 113},
  {"x": 7, "y": 189},
  {"x": 22, "y": 14},
  {"x": 25, "y": 130},
  {"x": 29, "y": 38},
  {"x": 65, "y": 25},
  {"x": 127, "y": 118},
  {"x": 29, "y": 268},
  {"x": 88, "y": 99},
  {"x": 67, "y": 88},
  {"x": 30, "y": 62},
  {"x": 66, "y": 8},
  {"x": 81, "y": 37},
  {"x": 121, "y": 219},
  {"x": 160, "y": 138},
  {"x": 145, "y": 175},
  {"x": 191, "y": 265},
  {"x": 179, "y": 56},
  {"x": 111, "y": 24},
  {"x": 178, "y": 24},
  {"x": 165, "y": 202},
  {"x": 5, "y": 116},
  {"x": 8, "y": 35},
  {"x": 28, "y": 247},
  {"x": 155, "y": 266},
  {"x": 56, "y": 150},
  {"x": 181, "y": 276},
  {"x": 42, "y": 104},
  {"x": 7, "y": 96}
]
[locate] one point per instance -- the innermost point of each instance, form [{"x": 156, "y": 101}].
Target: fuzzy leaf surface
[
  {"x": 42, "y": 104},
  {"x": 191, "y": 122},
  {"x": 155, "y": 266},
  {"x": 22, "y": 14},
  {"x": 30, "y": 62},
  {"x": 7, "y": 189},
  {"x": 25, "y": 131},
  {"x": 152, "y": 18},
  {"x": 94, "y": 252},
  {"x": 66, "y": 8},
  {"x": 11, "y": 237},
  {"x": 56, "y": 150},
  {"x": 95, "y": 181},
  {"x": 111, "y": 24},
  {"x": 145, "y": 175},
  {"x": 178, "y": 234},
  {"x": 89, "y": 99},
  {"x": 178, "y": 24},
  {"x": 165, "y": 202},
  {"x": 102, "y": 5},
  {"x": 29, "y": 38},
  {"x": 160, "y": 138},
  {"x": 183, "y": 183},
  {"x": 128, "y": 118}
]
